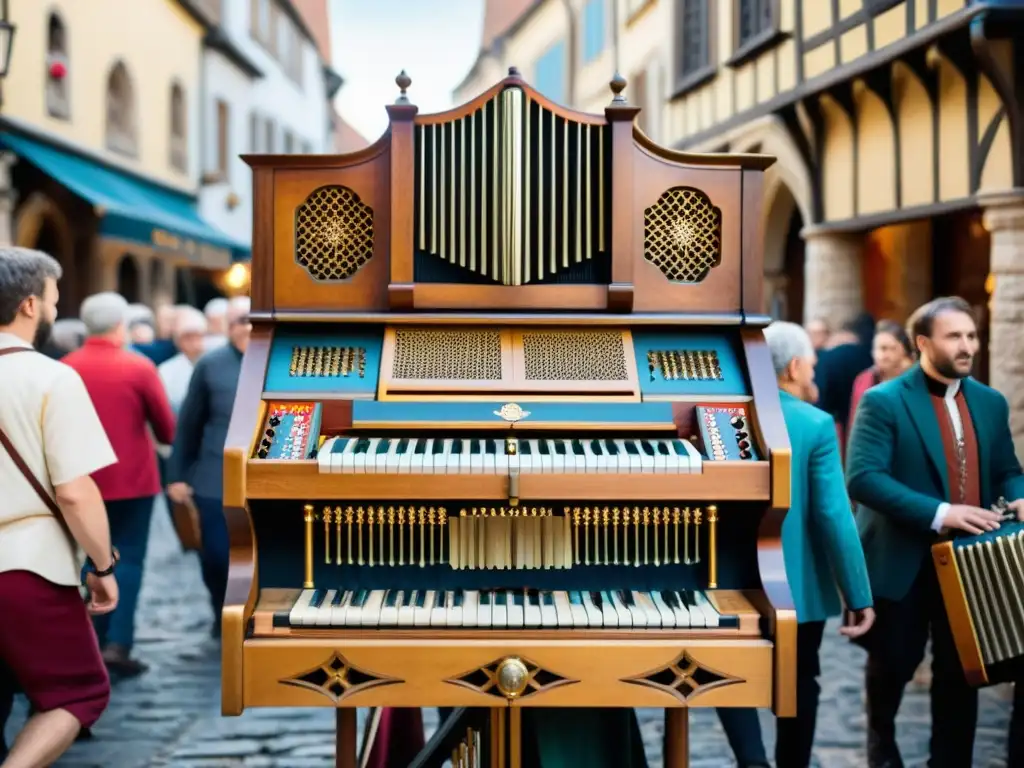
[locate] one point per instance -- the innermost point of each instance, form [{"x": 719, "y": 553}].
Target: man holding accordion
[{"x": 930, "y": 452}]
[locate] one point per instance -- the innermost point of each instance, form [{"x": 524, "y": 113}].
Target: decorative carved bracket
[
  {"x": 337, "y": 678},
  {"x": 683, "y": 679}
]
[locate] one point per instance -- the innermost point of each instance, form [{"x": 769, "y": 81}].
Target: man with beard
[
  {"x": 51, "y": 441},
  {"x": 929, "y": 454}
]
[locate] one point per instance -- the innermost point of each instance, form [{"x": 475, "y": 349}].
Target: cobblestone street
[{"x": 171, "y": 715}]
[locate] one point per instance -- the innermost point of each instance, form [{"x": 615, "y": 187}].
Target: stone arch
[
  {"x": 41, "y": 224},
  {"x": 770, "y": 137},
  {"x": 130, "y": 279}
]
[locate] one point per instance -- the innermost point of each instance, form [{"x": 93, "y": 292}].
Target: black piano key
[
  {"x": 597, "y": 599},
  {"x": 318, "y": 598},
  {"x": 384, "y": 445},
  {"x": 595, "y": 448},
  {"x": 474, "y": 446},
  {"x": 421, "y": 599},
  {"x": 485, "y": 597},
  {"x": 501, "y": 597},
  {"x": 647, "y": 448},
  {"x": 403, "y": 445},
  {"x": 577, "y": 447},
  {"x": 519, "y": 599},
  {"x": 575, "y": 598},
  {"x": 524, "y": 448},
  {"x": 533, "y": 598},
  {"x": 421, "y": 447},
  {"x": 282, "y": 619},
  {"x": 611, "y": 448},
  {"x": 631, "y": 448},
  {"x": 491, "y": 446},
  {"x": 680, "y": 449},
  {"x": 670, "y": 598},
  {"x": 662, "y": 448},
  {"x": 362, "y": 445},
  {"x": 547, "y": 598},
  {"x": 560, "y": 447},
  {"x": 543, "y": 447},
  {"x": 359, "y": 598},
  {"x": 626, "y": 597},
  {"x": 412, "y": 599},
  {"x": 456, "y": 446},
  {"x": 391, "y": 599},
  {"x": 460, "y": 598},
  {"x": 339, "y": 445},
  {"x": 438, "y": 447},
  {"x": 339, "y": 596}
]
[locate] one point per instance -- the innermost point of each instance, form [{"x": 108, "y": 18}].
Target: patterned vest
[{"x": 962, "y": 469}]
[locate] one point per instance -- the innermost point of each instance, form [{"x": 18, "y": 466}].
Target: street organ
[{"x": 507, "y": 433}]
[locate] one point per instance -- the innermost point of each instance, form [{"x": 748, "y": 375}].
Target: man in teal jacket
[
  {"x": 929, "y": 452},
  {"x": 819, "y": 546}
]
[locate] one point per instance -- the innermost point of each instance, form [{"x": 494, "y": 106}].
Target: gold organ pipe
[
  {"x": 565, "y": 193},
  {"x": 307, "y": 517},
  {"x": 483, "y": 190},
  {"x": 525, "y": 205},
  {"x": 443, "y": 223},
  {"x": 579, "y": 191},
  {"x": 712, "y": 546},
  {"x": 495, "y": 159},
  {"x": 506, "y": 162},
  {"x": 554, "y": 199},
  {"x": 540, "y": 192},
  {"x": 472, "y": 192},
  {"x": 462, "y": 194},
  {"x": 514, "y": 188},
  {"x": 588, "y": 209}
]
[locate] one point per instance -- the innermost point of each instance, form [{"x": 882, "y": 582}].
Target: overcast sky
[{"x": 434, "y": 41}]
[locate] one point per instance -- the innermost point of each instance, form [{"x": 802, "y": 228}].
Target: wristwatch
[{"x": 114, "y": 557}]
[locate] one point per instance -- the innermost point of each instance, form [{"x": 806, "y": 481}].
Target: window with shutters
[
  {"x": 694, "y": 37},
  {"x": 223, "y": 139},
  {"x": 121, "y": 130}
]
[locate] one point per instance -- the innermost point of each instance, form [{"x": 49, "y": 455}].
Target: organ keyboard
[{"x": 507, "y": 439}]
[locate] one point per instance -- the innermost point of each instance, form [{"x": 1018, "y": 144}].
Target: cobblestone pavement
[{"x": 171, "y": 715}]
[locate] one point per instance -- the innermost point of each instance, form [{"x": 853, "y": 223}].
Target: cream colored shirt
[{"x": 48, "y": 416}]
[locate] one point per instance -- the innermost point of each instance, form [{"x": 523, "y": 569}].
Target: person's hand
[
  {"x": 102, "y": 593},
  {"x": 1017, "y": 505},
  {"x": 861, "y": 622},
  {"x": 180, "y": 493},
  {"x": 971, "y": 519}
]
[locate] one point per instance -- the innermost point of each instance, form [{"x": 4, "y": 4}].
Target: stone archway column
[
  {"x": 833, "y": 286},
  {"x": 1004, "y": 219}
]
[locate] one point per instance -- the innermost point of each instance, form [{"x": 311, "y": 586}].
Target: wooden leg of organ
[
  {"x": 677, "y": 738},
  {"x": 345, "y": 738}
]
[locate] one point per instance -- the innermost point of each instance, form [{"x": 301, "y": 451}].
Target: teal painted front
[
  {"x": 724, "y": 345},
  {"x": 370, "y": 339},
  {"x": 1005, "y": 529},
  {"x": 644, "y": 415}
]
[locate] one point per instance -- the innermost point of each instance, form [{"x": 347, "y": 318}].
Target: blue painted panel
[
  {"x": 296, "y": 431},
  {"x": 726, "y": 345},
  {"x": 654, "y": 414},
  {"x": 370, "y": 339}
]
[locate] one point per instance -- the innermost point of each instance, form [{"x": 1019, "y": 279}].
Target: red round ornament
[{"x": 58, "y": 69}]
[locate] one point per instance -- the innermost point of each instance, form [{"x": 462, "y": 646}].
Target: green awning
[{"x": 131, "y": 208}]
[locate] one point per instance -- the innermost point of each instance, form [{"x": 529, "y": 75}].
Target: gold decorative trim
[
  {"x": 684, "y": 679},
  {"x": 337, "y": 678},
  {"x": 493, "y": 679}
]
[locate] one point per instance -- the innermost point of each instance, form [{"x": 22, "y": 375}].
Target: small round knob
[
  {"x": 618, "y": 85},
  {"x": 512, "y": 677},
  {"x": 513, "y": 71},
  {"x": 403, "y": 81}
]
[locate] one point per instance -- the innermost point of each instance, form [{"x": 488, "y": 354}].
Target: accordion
[{"x": 982, "y": 582}]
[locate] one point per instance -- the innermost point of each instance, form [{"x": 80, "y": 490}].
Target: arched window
[
  {"x": 179, "y": 129},
  {"x": 121, "y": 127},
  {"x": 57, "y": 101}
]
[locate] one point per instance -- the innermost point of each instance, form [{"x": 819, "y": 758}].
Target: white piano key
[
  {"x": 389, "y": 613},
  {"x": 579, "y": 612},
  {"x": 372, "y": 464},
  {"x": 516, "y": 613},
  {"x": 470, "y": 608},
  {"x": 589, "y": 459},
  {"x": 528, "y": 462},
  {"x": 511, "y": 462},
  {"x": 451, "y": 458},
  {"x": 646, "y": 460},
  {"x": 392, "y": 457},
  {"x": 651, "y": 612},
  {"x": 323, "y": 613},
  {"x": 353, "y": 616},
  {"x": 621, "y": 610},
  {"x": 558, "y": 459},
  {"x": 455, "y": 609},
  {"x": 476, "y": 460},
  {"x": 459, "y": 463},
  {"x": 705, "y": 606},
  {"x": 531, "y": 609},
  {"x": 439, "y": 613},
  {"x": 548, "y": 612},
  {"x": 579, "y": 459},
  {"x": 490, "y": 460},
  {"x": 428, "y": 456},
  {"x": 483, "y": 610},
  {"x": 696, "y": 462},
  {"x": 299, "y": 607},
  {"x": 499, "y": 609},
  {"x": 422, "y": 617},
  {"x": 660, "y": 460},
  {"x": 605, "y": 461},
  {"x": 697, "y": 618},
  {"x": 547, "y": 460},
  {"x": 679, "y": 609},
  {"x": 609, "y": 616},
  {"x": 339, "y": 607},
  {"x": 636, "y": 611},
  {"x": 370, "y": 615},
  {"x": 563, "y": 610},
  {"x": 593, "y": 612},
  {"x": 407, "y": 611},
  {"x": 415, "y": 459},
  {"x": 668, "y": 616},
  {"x": 341, "y": 463}
]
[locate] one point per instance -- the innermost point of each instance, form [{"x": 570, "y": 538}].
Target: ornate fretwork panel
[
  {"x": 333, "y": 233},
  {"x": 512, "y": 194},
  {"x": 446, "y": 354},
  {"x": 684, "y": 365},
  {"x": 683, "y": 679},
  {"x": 561, "y": 356},
  {"x": 510, "y": 678},
  {"x": 328, "y": 361},
  {"x": 337, "y": 678},
  {"x": 683, "y": 235}
]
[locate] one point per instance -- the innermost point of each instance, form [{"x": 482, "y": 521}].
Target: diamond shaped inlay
[
  {"x": 510, "y": 677},
  {"x": 337, "y": 678},
  {"x": 683, "y": 678}
]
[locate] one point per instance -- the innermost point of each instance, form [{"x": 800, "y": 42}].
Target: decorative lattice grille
[
  {"x": 441, "y": 354},
  {"x": 333, "y": 233},
  {"x": 327, "y": 361},
  {"x": 683, "y": 235},
  {"x": 574, "y": 356}
]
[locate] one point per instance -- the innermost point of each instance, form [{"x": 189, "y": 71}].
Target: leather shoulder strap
[{"x": 19, "y": 462}]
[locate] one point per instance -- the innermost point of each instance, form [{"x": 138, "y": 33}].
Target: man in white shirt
[
  {"x": 189, "y": 331},
  {"x": 51, "y": 441}
]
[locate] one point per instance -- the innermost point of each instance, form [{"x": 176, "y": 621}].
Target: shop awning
[{"x": 133, "y": 209}]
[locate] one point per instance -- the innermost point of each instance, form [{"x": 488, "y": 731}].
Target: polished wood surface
[{"x": 954, "y": 597}]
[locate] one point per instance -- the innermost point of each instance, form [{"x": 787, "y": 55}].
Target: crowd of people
[{"x": 100, "y": 415}]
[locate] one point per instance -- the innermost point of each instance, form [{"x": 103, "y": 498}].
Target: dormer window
[{"x": 57, "y": 100}]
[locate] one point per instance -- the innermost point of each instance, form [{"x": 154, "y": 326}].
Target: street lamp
[{"x": 6, "y": 40}]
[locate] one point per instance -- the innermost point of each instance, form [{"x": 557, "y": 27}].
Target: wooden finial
[
  {"x": 403, "y": 81},
  {"x": 618, "y": 85},
  {"x": 513, "y": 71}
]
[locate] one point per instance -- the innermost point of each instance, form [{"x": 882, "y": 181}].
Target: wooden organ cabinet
[{"x": 507, "y": 434}]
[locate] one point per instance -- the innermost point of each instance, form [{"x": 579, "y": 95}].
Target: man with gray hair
[
  {"x": 51, "y": 442},
  {"x": 216, "y": 311},
  {"x": 130, "y": 400},
  {"x": 820, "y": 546},
  {"x": 189, "y": 329}
]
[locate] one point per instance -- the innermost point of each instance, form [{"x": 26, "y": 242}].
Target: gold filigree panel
[
  {"x": 571, "y": 356},
  {"x": 684, "y": 679},
  {"x": 684, "y": 364},
  {"x": 422, "y": 353},
  {"x": 337, "y": 678},
  {"x": 683, "y": 235},
  {"x": 510, "y": 678},
  {"x": 327, "y": 361},
  {"x": 333, "y": 233}
]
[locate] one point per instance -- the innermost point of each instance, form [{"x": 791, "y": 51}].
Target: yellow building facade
[
  {"x": 898, "y": 128},
  {"x": 101, "y": 125}
]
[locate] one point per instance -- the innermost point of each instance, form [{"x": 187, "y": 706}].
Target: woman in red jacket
[{"x": 892, "y": 353}]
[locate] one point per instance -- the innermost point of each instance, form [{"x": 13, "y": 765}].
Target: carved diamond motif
[
  {"x": 337, "y": 678},
  {"x": 683, "y": 679},
  {"x": 503, "y": 679}
]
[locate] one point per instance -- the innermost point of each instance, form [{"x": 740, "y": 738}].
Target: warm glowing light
[{"x": 237, "y": 277}]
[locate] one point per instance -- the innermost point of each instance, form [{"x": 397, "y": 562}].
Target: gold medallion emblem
[
  {"x": 512, "y": 677},
  {"x": 512, "y": 413}
]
